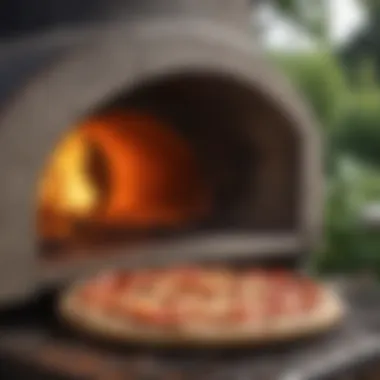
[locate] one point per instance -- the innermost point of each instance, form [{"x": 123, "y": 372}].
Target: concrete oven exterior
[{"x": 48, "y": 80}]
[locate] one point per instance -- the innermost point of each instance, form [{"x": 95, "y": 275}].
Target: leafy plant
[
  {"x": 348, "y": 247},
  {"x": 319, "y": 78},
  {"x": 358, "y": 129}
]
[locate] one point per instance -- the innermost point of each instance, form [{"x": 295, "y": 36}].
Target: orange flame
[{"x": 153, "y": 178}]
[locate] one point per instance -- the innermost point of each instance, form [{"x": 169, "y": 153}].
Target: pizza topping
[
  {"x": 311, "y": 295},
  {"x": 192, "y": 296},
  {"x": 249, "y": 300},
  {"x": 101, "y": 291}
]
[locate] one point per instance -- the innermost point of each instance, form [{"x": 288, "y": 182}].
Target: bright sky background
[{"x": 346, "y": 17}]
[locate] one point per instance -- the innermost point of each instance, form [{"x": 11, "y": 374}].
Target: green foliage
[
  {"x": 366, "y": 75},
  {"x": 348, "y": 247},
  {"x": 287, "y": 6},
  {"x": 319, "y": 78},
  {"x": 350, "y": 119},
  {"x": 358, "y": 128}
]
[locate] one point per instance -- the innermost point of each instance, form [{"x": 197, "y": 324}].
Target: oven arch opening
[
  {"x": 118, "y": 171},
  {"x": 219, "y": 157}
]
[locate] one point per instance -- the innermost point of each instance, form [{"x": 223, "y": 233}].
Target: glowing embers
[{"x": 121, "y": 170}]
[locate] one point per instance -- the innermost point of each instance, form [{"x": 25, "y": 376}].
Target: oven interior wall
[{"x": 249, "y": 152}]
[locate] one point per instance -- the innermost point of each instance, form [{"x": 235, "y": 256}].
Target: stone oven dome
[{"x": 194, "y": 65}]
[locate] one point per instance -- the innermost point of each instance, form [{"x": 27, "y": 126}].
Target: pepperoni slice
[
  {"x": 148, "y": 299},
  {"x": 103, "y": 291},
  {"x": 146, "y": 311},
  {"x": 290, "y": 296},
  {"x": 310, "y": 295}
]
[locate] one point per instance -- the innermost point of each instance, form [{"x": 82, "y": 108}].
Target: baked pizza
[{"x": 201, "y": 306}]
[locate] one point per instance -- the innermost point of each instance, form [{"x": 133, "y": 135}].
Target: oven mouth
[
  {"x": 121, "y": 175},
  {"x": 178, "y": 156}
]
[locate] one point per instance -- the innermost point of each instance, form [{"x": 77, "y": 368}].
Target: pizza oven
[
  {"x": 150, "y": 132},
  {"x": 146, "y": 133}
]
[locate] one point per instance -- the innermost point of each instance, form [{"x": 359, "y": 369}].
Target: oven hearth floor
[{"x": 33, "y": 345}]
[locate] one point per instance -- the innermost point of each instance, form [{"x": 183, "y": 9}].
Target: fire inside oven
[{"x": 185, "y": 153}]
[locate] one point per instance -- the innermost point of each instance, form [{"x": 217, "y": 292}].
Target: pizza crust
[{"x": 330, "y": 312}]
